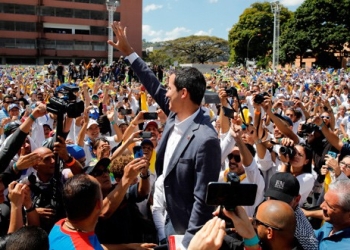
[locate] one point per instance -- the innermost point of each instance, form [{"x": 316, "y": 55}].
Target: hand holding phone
[{"x": 138, "y": 153}]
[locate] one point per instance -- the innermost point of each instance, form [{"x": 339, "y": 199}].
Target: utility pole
[
  {"x": 276, "y": 8},
  {"x": 111, "y": 8}
]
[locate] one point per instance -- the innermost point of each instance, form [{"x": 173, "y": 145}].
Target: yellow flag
[{"x": 144, "y": 101}]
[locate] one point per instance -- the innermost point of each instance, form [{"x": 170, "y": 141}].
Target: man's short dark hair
[
  {"x": 7, "y": 96},
  {"x": 193, "y": 80},
  {"x": 80, "y": 195},
  {"x": 30, "y": 237}
]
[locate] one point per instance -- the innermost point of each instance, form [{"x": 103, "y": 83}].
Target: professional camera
[
  {"x": 307, "y": 129},
  {"x": 259, "y": 98},
  {"x": 230, "y": 92},
  {"x": 286, "y": 150},
  {"x": 65, "y": 101}
]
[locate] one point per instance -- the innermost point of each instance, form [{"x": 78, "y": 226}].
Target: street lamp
[
  {"x": 276, "y": 8},
  {"x": 248, "y": 47},
  {"x": 111, "y": 8}
]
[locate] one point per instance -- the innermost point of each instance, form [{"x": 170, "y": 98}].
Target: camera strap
[{"x": 239, "y": 107}]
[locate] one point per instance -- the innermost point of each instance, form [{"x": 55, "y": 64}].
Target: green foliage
[
  {"x": 198, "y": 49},
  {"x": 159, "y": 57},
  {"x": 319, "y": 25},
  {"x": 258, "y": 19}
]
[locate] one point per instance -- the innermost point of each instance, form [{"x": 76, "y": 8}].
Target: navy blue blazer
[{"x": 194, "y": 163}]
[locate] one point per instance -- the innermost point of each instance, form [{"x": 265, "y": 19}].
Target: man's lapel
[{"x": 183, "y": 143}]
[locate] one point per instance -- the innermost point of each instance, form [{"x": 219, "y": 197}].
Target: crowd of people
[{"x": 133, "y": 167}]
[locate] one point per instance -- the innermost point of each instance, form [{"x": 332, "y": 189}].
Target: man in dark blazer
[{"x": 188, "y": 154}]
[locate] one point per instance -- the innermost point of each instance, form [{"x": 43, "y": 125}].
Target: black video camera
[
  {"x": 259, "y": 98},
  {"x": 65, "y": 101},
  {"x": 307, "y": 129}
]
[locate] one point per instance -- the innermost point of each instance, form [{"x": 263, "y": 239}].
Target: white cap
[
  {"x": 91, "y": 122},
  {"x": 12, "y": 82}
]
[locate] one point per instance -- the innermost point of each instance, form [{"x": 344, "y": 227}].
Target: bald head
[
  {"x": 42, "y": 150},
  {"x": 278, "y": 214}
]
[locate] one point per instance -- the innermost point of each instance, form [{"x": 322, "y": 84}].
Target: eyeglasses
[
  {"x": 257, "y": 222},
  {"x": 237, "y": 158},
  {"x": 99, "y": 172},
  {"x": 325, "y": 117},
  {"x": 344, "y": 164}
]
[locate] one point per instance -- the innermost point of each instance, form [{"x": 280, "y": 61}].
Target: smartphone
[
  {"x": 333, "y": 154},
  {"x": 230, "y": 195},
  {"x": 146, "y": 134},
  {"x": 138, "y": 153},
  {"x": 150, "y": 116},
  {"x": 288, "y": 103},
  {"x": 211, "y": 97},
  {"x": 28, "y": 109},
  {"x": 126, "y": 111},
  {"x": 228, "y": 112}
]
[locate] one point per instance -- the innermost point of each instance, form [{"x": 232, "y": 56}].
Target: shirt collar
[{"x": 183, "y": 125}]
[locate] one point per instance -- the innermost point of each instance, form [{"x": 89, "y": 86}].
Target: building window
[
  {"x": 25, "y": 43},
  {"x": 64, "y": 12},
  {"x": 98, "y": 46},
  {"x": 64, "y": 45},
  {"x": 99, "y": 31},
  {"x": 84, "y": 14},
  {"x": 82, "y": 45}
]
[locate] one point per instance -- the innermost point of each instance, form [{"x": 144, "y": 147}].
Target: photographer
[
  {"x": 297, "y": 160},
  {"x": 242, "y": 162}
]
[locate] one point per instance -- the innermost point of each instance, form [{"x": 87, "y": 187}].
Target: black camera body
[
  {"x": 307, "y": 129},
  {"x": 290, "y": 151},
  {"x": 66, "y": 104},
  {"x": 230, "y": 92},
  {"x": 259, "y": 98}
]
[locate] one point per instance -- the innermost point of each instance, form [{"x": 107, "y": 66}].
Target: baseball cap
[
  {"x": 94, "y": 96},
  {"x": 76, "y": 151},
  {"x": 10, "y": 128},
  {"x": 104, "y": 162},
  {"x": 285, "y": 118},
  {"x": 147, "y": 142},
  {"x": 283, "y": 186},
  {"x": 12, "y": 82},
  {"x": 91, "y": 122},
  {"x": 150, "y": 123},
  {"x": 13, "y": 105}
]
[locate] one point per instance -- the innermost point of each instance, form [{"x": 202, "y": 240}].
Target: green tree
[
  {"x": 320, "y": 25},
  {"x": 199, "y": 49},
  {"x": 258, "y": 19},
  {"x": 159, "y": 57}
]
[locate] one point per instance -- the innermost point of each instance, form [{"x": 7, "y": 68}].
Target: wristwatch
[
  {"x": 145, "y": 176},
  {"x": 70, "y": 159}
]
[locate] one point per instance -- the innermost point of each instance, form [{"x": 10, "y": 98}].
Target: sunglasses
[
  {"x": 9, "y": 102},
  {"x": 325, "y": 117},
  {"x": 237, "y": 158},
  {"x": 99, "y": 172},
  {"x": 344, "y": 164},
  {"x": 257, "y": 222}
]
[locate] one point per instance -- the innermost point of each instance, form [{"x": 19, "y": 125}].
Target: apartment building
[{"x": 38, "y": 31}]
